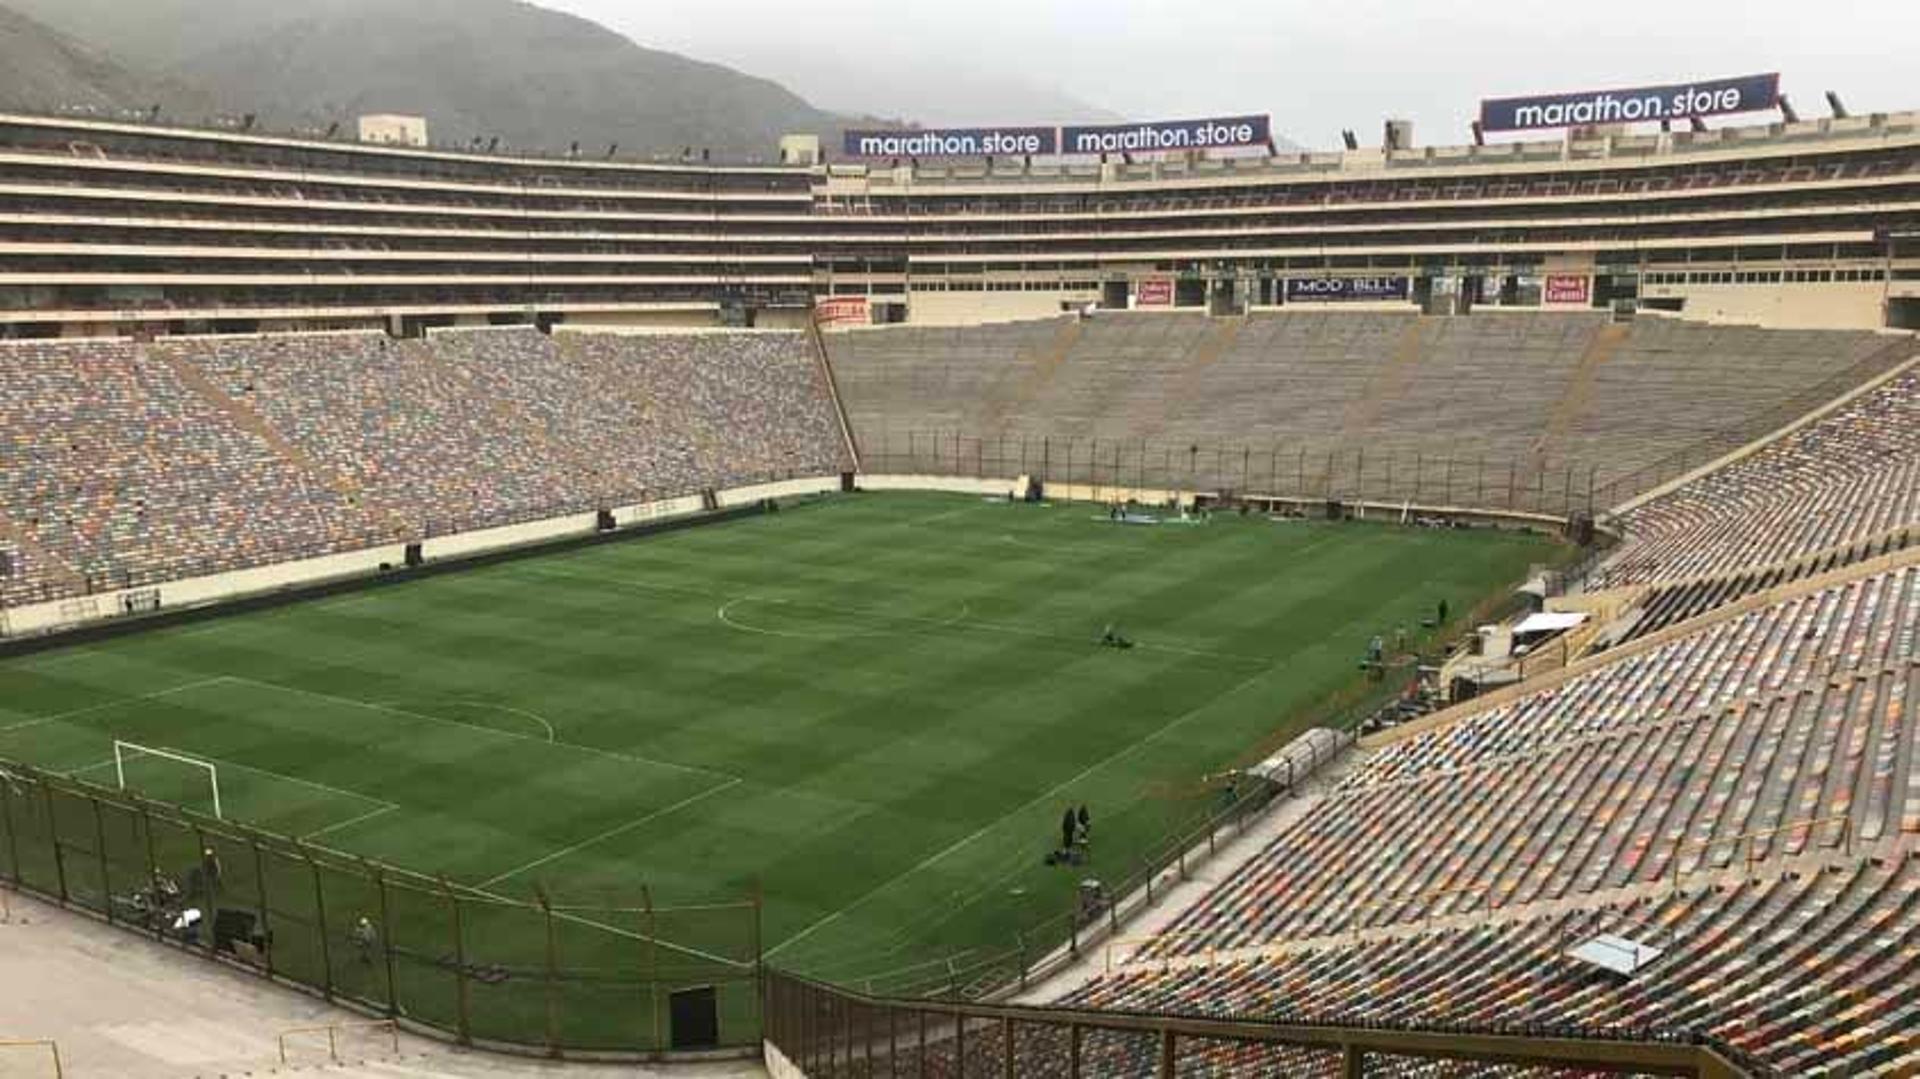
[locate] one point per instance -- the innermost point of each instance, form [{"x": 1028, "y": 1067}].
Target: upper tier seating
[
  {"x": 128, "y": 464},
  {"x": 1508, "y": 398}
]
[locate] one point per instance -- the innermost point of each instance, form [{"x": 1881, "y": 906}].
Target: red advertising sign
[
  {"x": 842, "y": 311},
  {"x": 1154, "y": 292},
  {"x": 1567, "y": 289}
]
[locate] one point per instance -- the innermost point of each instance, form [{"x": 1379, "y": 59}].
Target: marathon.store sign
[
  {"x": 955, "y": 142},
  {"x": 1679, "y": 101},
  {"x": 1161, "y": 136},
  {"x": 1342, "y": 289}
]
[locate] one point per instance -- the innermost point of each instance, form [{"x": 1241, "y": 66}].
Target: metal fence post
[
  {"x": 386, "y": 938},
  {"x": 13, "y": 835},
  {"x": 653, "y": 963},
  {"x": 320, "y": 924},
  {"x": 209, "y": 881},
  {"x": 260, "y": 892},
  {"x": 153, "y": 858},
  {"x": 53, "y": 837},
  {"x": 464, "y": 993},
  {"x": 553, "y": 974},
  {"x": 100, "y": 838}
]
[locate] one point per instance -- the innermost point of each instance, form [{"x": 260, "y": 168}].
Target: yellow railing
[
  {"x": 333, "y": 1032},
  {"x": 30, "y": 1044}
]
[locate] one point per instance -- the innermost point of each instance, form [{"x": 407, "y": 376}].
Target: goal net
[{"x": 168, "y": 775}]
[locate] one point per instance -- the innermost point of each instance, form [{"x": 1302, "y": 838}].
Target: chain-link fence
[
  {"x": 474, "y": 966},
  {"x": 1147, "y": 465}
]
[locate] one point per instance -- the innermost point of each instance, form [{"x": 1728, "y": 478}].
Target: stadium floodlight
[
  {"x": 154, "y": 113},
  {"x": 333, "y": 129},
  {"x": 1699, "y": 126},
  {"x": 1351, "y": 140},
  {"x": 246, "y": 122},
  {"x": 1839, "y": 107},
  {"x": 1787, "y": 110},
  {"x": 1479, "y": 133},
  {"x": 127, "y": 751},
  {"x": 612, "y": 149},
  {"x": 493, "y": 143}
]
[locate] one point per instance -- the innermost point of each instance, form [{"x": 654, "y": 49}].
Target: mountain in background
[
  {"x": 44, "y": 69},
  {"x": 476, "y": 69},
  {"x": 534, "y": 78}
]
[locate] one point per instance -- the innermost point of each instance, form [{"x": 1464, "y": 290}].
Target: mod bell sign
[{"x": 1338, "y": 289}]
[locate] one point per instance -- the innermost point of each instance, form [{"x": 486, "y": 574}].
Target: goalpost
[{"x": 122, "y": 751}]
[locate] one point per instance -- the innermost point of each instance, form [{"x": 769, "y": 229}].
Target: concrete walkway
[{"x": 123, "y": 1006}]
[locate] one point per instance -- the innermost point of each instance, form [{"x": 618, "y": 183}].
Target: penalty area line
[{"x": 609, "y": 833}]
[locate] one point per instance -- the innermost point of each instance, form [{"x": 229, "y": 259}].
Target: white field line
[
  {"x": 332, "y": 828},
  {"x": 609, "y": 833},
  {"x": 964, "y": 621},
  {"x": 991, "y": 825},
  {"x": 495, "y": 731},
  {"x": 92, "y": 708},
  {"x": 475, "y": 702}
]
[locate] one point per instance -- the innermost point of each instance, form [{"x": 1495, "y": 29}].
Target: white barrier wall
[
  {"x": 57, "y": 615},
  {"x": 959, "y": 485}
]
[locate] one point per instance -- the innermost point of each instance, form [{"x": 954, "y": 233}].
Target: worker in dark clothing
[
  {"x": 1069, "y": 823},
  {"x": 1442, "y": 620}
]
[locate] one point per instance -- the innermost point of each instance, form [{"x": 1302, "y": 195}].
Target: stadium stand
[
  {"x": 1808, "y": 969},
  {"x": 1851, "y": 478},
  {"x": 130, "y": 464},
  {"x": 1546, "y": 392}
]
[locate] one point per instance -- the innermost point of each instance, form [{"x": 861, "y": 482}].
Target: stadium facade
[{"x": 127, "y": 228}]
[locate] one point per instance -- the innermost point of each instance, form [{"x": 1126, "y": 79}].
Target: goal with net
[{"x": 166, "y": 774}]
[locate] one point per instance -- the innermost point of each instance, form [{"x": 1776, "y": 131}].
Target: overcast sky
[{"x": 1317, "y": 67}]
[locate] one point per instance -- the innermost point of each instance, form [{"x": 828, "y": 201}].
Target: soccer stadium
[{"x": 1152, "y": 604}]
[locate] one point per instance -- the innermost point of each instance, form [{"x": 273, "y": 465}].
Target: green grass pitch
[{"x": 873, "y": 706}]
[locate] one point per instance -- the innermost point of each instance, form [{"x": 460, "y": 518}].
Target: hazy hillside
[
  {"x": 532, "y": 77},
  {"x": 43, "y": 69}
]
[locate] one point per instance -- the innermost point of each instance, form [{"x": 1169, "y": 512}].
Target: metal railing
[
  {"x": 1289, "y": 472},
  {"x": 829, "y": 1033},
  {"x": 471, "y": 965},
  {"x": 32, "y": 1046},
  {"x": 333, "y": 1031}
]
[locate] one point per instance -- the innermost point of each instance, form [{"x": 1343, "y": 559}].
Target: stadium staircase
[
  {"x": 825, "y": 360},
  {"x": 1578, "y": 398},
  {"x": 1041, "y": 368},
  {"x": 1217, "y": 343},
  {"x": 246, "y": 419},
  {"x": 1388, "y": 383}
]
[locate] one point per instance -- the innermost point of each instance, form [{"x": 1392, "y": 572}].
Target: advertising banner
[
  {"x": 1162, "y": 135},
  {"x": 954, "y": 142},
  {"x": 1679, "y": 101},
  {"x": 1154, "y": 292},
  {"x": 1566, "y": 289},
  {"x": 1333, "y": 289},
  {"x": 842, "y": 311}
]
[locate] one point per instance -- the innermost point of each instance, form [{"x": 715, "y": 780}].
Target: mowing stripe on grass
[
  {"x": 410, "y": 714},
  {"x": 609, "y": 833},
  {"x": 941, "y": 855},
  {"x": 92, "y": 708}
]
